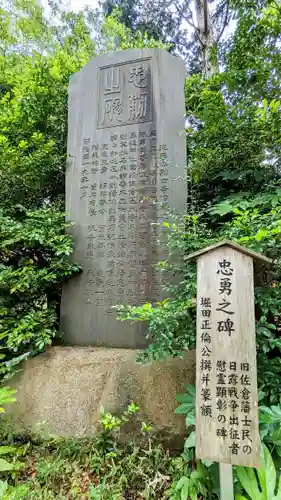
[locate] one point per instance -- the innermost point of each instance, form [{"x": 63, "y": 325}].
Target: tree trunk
[{"x": 206, "y": 37}]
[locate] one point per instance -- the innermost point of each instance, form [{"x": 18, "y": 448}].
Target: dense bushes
[
  {"x": 34, "y": 253},
  {"x": 233, "y": 142}
]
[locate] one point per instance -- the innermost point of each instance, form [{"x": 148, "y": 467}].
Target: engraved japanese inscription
[
  {"x": 121, "y": 188},
  {"x": 125, "y": 94},
  {"x": 127, "y": 146}
]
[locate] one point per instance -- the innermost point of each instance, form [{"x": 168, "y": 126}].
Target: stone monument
[{"x": 126, "y": 145}]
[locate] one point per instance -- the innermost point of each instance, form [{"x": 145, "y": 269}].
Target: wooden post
[
  {"x": 227, "y": 428},
  {"x": 226, "y": 482}
]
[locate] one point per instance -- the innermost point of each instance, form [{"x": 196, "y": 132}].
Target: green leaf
[
  {"x": 182, "y": 482},
  {"x": 248, "y": 480},
  {"x": 190, "y": 419},
  {"x": 276, "y": 437},
  {"x": 278, "y": 450},
  {"x": 191, "y": 440},
  {"x": 4, "y": 450},
  {"x": 278, "y": 495},
  {"x": 267, "y": 473},
  {"x": 183, "y": 409},
  {"x": 270, "y": 415},
  {"x": 191, "y": 390},
  {"x": 221, "y": 209},
  {"x": 184, "y": 491},
  {"x": 185, "y": 398},
  {"x": 3, "y": 488},
  {"x": 262, "y": 233},
  {"x": 265, "y": 488},
  {"x": 5, "y": 466}
]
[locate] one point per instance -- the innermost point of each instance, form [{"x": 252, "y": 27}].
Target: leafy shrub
[
  {"x": 259, "y": 484},
  {"x": 101, "y": 467},
  {"x": 251, "y": 221},
  {"x": 7, "y": 397},
  {"x": 34, "y": 254},
  {"x": 197, "y": 483}
]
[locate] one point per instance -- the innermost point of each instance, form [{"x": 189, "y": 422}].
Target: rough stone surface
[
  {"x": 127, "y": 150},
  {"x": 65, "y": 388}
]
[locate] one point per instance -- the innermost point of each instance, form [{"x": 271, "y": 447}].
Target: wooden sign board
[{"x": 227, "y": 427}]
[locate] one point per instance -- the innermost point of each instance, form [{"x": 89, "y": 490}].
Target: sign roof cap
[{"x": 227, "y": 243}]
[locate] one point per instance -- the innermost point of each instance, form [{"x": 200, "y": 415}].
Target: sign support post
[
  {"x": 227, "y": 428},
  {"x": 226, "y": 482}
]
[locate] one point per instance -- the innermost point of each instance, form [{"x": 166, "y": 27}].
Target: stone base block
[{"x": 65, "y": 387}]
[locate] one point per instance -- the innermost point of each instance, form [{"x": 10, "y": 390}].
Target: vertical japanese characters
[
  {"x": 205, "y": 351},
  {"x": 125, "y": 94},
  {"x": 121, "y": 181},
  {"x": 231, "y": 380},
  {"x": 121, "y": 188},
  {"x": 225, "y": 272},
  {"x": 126, "y": 147},
  {"x": 226, "y": 373},
  {"x": 233, "y": 391}
]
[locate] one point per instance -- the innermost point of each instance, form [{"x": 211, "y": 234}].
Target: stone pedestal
[{"x": 65, "y": 387}]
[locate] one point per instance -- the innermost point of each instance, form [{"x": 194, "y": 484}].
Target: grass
[{"x": 104, "y": 467}]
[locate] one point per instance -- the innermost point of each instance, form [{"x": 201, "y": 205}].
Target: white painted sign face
[{"x": 226, "y": 382}]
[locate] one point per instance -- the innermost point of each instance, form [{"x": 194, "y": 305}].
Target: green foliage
[
  {"x": 118, "y": 36},
  {"x": 104, "y": 492},
  {"x": 34, "y": 252},
  {"x": 110, "y": 427},
  {"x": 259, "y": 484},
  {"x": 103, "y": 467},
  {"x": 13, "y": 492},
  {"x": 187, "y": 407},
  {"x": 33, "y": 109},
  {"x": 197, "y": 483},
  {"x": 253, "y": 221},
  {"x": 270, "y": 430},
  {"x": 187, "y": 404},
  {"x": 7, "y": 397},
  {"x": 233, "y": 146},
  {"x": 131, "y": 14},
  {"x": 270, "y": 421}
]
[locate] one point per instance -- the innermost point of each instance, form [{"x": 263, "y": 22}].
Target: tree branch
[
  {"x": 190, "y": 21},
  {"x": 206, "y": 17},
  {"x": 187, "y": 19},
  {"x": 224, "y": 23}
]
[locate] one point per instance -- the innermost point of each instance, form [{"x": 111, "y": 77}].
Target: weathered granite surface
[{"x": 66, "y": 387}]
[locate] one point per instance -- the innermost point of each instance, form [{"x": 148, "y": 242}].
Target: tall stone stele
[{"x": 126, "y": 145}]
